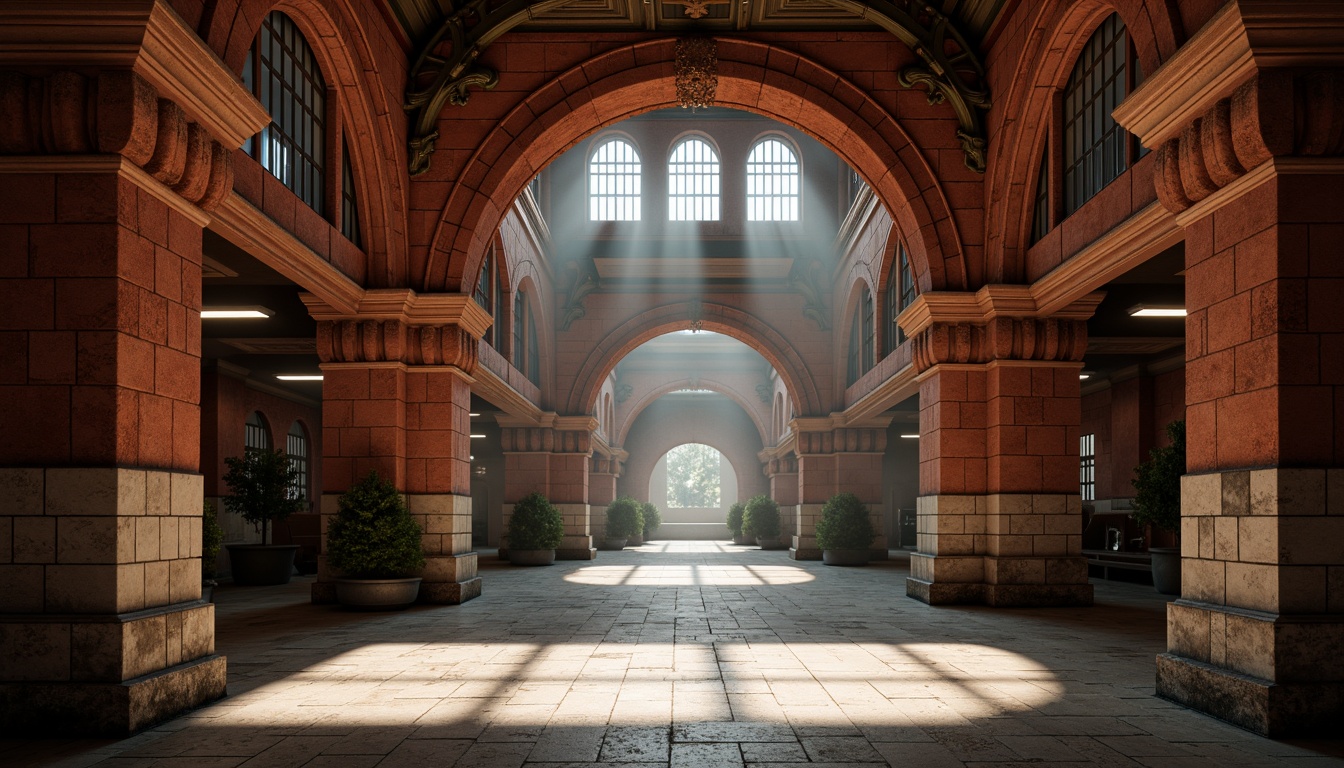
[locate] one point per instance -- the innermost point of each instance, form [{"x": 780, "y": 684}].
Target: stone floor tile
[
  {"x": 839, "y": 749},
  {"x": 493, "y": 755},
  {"x": 773, "y": 752},
  {"x": 735, "y": 732},
  {"x": 706, "y": 756},
  {"x": 426, "y": 753},
  {"x": 568, "y": 744},
  {"x": 635, "y": 744}
]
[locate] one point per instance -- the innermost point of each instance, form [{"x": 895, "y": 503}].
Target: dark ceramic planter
[
  {"x": 532, "y": 556},
  {"x": 261, "y": 565},
  {"x": 1166, "y": 569},
  {"x": 844, "y": 556},
  {"x": 612, "y": 545},
  {"x": 770, "y": 542},
  {"x": 743, "y": 540},
  {"x": 377, "y": 594}
]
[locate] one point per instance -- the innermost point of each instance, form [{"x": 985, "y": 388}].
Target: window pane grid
[
  {"x": 1087, "y": 467},
  {"x": 693, "y": 182},
  {"x": 614, "y": 182},
  {"x": 1094, "y": 144},
  {"x": 349, "y": 205},
  {"x": 1040, "y": 217},
  {"x": 869, "y": 330},
  {"x": 772, "y": 182},
  {"x": 255, "y": 437},
  {"x": 290, "y": 86},
  {"x": 485, "y": 292},
  {"x": 296, "y": 445}
]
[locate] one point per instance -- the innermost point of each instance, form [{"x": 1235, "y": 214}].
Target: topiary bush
[
  {"x": 212, "y": 536},
  {"x": 262, "y": 485},
  {"x": 761, "y": 518},
  {"x": 1158, "y": 483},
  {"x": 373, "y": 535},
  {"x": 735, "y": 514},
  {"x": 845, "y": 524},
  {"x": 624, "y": 518},
  {"x": 535, "y": 524},
  {"x": 652, "y": 519}
]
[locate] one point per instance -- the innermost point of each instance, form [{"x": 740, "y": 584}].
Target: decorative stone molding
[
  {"x": 784, "y": 465},
  {"x": 545, "y": 440},
  {"x": 1046, "y": 339},
  {"x": 144, "y": 37},
  {"x": 846, "y": 440},
  {"x": 114, "y": 113},
  {"x": 401, "y": 326}
]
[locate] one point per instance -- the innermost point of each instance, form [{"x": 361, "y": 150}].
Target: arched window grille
[
  {"x": 255, "y": 436},
  {"x": 614, "y": 182},
  {"x": 526, "y": 352},
  {"x": 693, "y": 182},
  {"x": 1040, "y": 215},
  {"x": 296, "y": 445},
  {"x": 861, "y": 337},
  {"x": 349, "y": 202},
  {"x": 487, "y": 294},
  {"x": 282, "y": 72},
  {"x": 772, "y": 182},
  {"x": 1095, "y": 146}
]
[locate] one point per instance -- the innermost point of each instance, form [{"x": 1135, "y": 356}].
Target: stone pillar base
[
  {"x": 450, "y": 579},
  {"x": 1276, "y": 710},
  {"x": 804, "y": 549},
  {"x": 578, "y": 553},
  {"x": 111, "y": 710},
  {"x": 450, "y": 592},
  {"x": 945, "y": 593}
]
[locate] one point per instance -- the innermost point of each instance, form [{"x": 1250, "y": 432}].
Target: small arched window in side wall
[
  {"x": 296, "y": 445},
  {"x": 255, "y": 435},
  {"x": 487, "y": 294},
  {"x": 349, "y": 201},
  {"x": 899, "y": 295},
  {"x": 1096, "y": 149},
  {"x": 614, "y": 179},
  {"x": 693, "y": 181},
  {"x": 526, "y": 354},
  {"x": 861, "y": 334},
  {"x": 772, "y": 182},
  {"x": 282, "y": 72}
]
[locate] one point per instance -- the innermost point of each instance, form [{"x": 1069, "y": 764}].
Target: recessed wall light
[
  {"x": 910, "y": 437},
  {"x": 477, "y": 437},
  {"x": 299, "y": 376},
  {"x": 1156, "y": 310},
  {"x": 473, "y": 415},
  {"x": 236, "y": 313},
  {"x": 1084, "y": 376}
]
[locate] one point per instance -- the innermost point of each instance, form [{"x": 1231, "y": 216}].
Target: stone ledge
[
  {"x": 1270, "y": 709},
  {"x": 1038, "y": 595},
  {"x": 573, "y": 554},
  {"x": 450, "y": 593},
  {"x": 804, "y": 553},
  {"x": 945, "y": 593},
  {"x": 110, "y": 709}
]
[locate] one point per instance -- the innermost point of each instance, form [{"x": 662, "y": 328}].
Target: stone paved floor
[{"x": 686, "y": 654}]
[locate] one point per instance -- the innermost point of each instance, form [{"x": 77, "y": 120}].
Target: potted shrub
[
  {"x": 262, "y": 483},
  {"x": 735, "y": 514},
  {"x": 761, "y": 521},
  {"x": 535, "y": 530},
  {"x": 623, "y": 520},
  {"x": 1157, "y": 502},
  {"x": 375, "y": 545},
  {"x": 211, "y": 537},
  {"x": 652, "y": 519},
  {"x": 845, "y": 531}
]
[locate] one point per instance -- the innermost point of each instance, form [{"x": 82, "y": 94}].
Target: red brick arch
[
  {"x": 1023, "y": 113},
  {"x": 720, "y": 318},
  {"x": 753, "y": 76},
  {"x": 342, "y": 41},
  {"x": 727, "y": 390}
]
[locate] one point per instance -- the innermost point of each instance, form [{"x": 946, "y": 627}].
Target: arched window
[
  {"x": 296, "y": 445},
  {"x": 1040, "y": 215},
  {"x": 772, "y": 182},
  {"x": 900, "y": 294},
  {"x": 693, "y": 181},
  {"x": 488, "y": 294},
  {"x": 255, "y": 435},
  {"x": 283, "y": 74},
  {"x": 614, "y": 182},
  {"x": 349, "y": 202},
  {"x": 1096, "y": 148},
  {"x": 526, "y": 353},
  {"x": 861, "y": 338}
]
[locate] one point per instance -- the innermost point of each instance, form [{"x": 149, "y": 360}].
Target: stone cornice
[
  {"x": 991, "y": 302},
  {"x": 496, "y": 390},
  {"x": 144, "y": 36},
  {"x": 1245, "y": 37},
  {"x": 255, "y": 232},
  {"x": 406, "y": 306}
]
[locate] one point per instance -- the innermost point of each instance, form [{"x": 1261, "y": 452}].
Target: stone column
[
  {"x": 552, "y": 458},
  {"x": 782, "y": 471},
  {"x": 106, "y": 181},
  {"x": 603, "y": 473},
  {"x": 831, "y": 461},
  {"x": 396, "y": 400},
  {"x": 999, "y": 511},
  {"x": 1248, "y": 158}
]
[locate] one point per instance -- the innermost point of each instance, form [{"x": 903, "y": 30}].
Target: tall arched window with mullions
[
  {"x": 861, "y": 338},
  {"x": 255, "y": 435},
  {"x": 772, "y": 181},
  {"x": 693, "y": 181},
  {"x": 1096, "y": 148},
  {"x": 900, "y": 294},
  {"x": 614, "y": 182},
  {"x": 526, "y": 352},
  {"x": 488, "y": 295},
  {"x": 296, "y": 445},
  {"x": 282, "y": 72}
]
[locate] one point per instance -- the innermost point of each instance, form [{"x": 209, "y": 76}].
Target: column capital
[
  {"x": 1042, "y": 339},
  {"x": 399, "y": 325}
]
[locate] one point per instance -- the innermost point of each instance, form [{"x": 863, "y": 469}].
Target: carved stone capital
[
  {"x": 545, "y": 440},
  {"x": 114, "y": 113},
  {"x": 401, "y": 326},
  {"x": 784, "y": 465},
  {"x": 844, "y": 440},
  {"x": 1003, "y": 338}
]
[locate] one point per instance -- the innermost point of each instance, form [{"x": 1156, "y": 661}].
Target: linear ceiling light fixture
[
  {"x": 299, "y": 376},
  {"x": 910, "y": 437},
  {"x": 1156, "y": 310},
  {"x": 236, "y": 313}
]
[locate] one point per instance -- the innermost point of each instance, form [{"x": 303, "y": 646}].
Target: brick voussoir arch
[
  {"x": 720, "y": 318},
  {"x": 1043, "y": 68},
  {"x": 335, "y": 30},
  {"x": 727, "y": 390},
  {"x": 753, "y": 76}
]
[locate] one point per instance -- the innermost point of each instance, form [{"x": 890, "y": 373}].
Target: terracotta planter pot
[
  {"x": 1166, "y": 570},
  {"x": 377, "y": 594},
  {"x": 844, "y": 556},
  {"x": 258, "y": 565},
  {"x": 532, "y": 556}
]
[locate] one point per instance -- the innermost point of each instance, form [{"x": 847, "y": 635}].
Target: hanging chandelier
[{"x": 697, "y": 68}]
